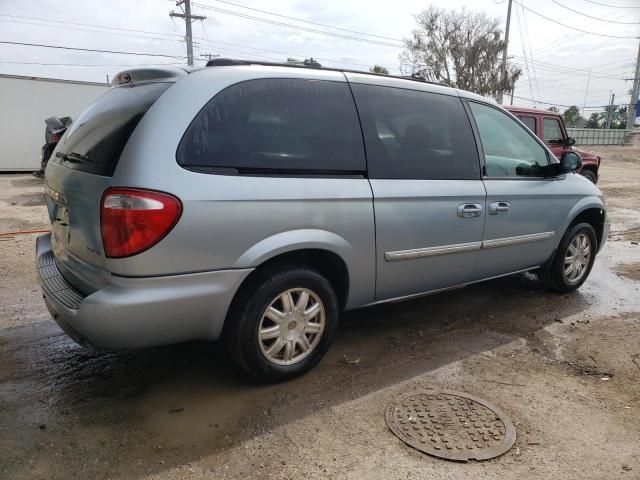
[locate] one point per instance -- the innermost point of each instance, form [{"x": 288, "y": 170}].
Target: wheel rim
[
  {"x": 291, "y": 326},
  {"x": 577, "y": 258}
]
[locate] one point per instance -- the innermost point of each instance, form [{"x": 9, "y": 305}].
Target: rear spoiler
[{"x": 147, "y": 75}]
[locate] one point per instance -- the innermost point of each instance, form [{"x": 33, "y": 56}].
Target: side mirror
[
  {"x": 570, "y": 162},
  {"x": 570, "y": 141}
]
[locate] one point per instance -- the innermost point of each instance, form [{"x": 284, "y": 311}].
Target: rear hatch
[{"x": 82, "y": 166}]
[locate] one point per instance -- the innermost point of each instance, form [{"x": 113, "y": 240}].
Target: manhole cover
[{"x": 451, "y": 425}]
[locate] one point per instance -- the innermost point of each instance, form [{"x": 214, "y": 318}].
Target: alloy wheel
[
  {"x": 291, "y": 326},
  {"x": 577, "y": 258}
]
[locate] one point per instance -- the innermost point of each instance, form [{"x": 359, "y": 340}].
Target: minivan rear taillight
[{"x": 133, "y": 220}]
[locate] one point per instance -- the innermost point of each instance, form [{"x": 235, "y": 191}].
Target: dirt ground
[{"x": 565, "y": 368}]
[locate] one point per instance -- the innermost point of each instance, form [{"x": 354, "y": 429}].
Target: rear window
[
  {"x": 276, "y": 126},
  {"x": 97, "y": 137}
]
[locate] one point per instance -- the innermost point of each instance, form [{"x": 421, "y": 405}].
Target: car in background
[{"x": 550, "y": 128}]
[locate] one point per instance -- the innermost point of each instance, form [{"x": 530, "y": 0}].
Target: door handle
[
  {"x": 469, "y": 210},
  {"x": 499, "y": 208}
]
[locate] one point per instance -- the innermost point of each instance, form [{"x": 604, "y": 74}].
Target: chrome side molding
[
  {"x": 432, "y": 251},
  {"x": 507, "y": 241},
  {"x": 465, "y": 247}
]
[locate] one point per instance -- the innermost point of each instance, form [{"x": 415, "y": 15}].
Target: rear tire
[
  {"x": 573, "y": 259},
  {"x": 589, "y": 175},
  {"x": 282, "y": 322}
]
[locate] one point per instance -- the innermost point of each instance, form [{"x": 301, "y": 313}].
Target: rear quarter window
[
  {"x": 103, "y": 129},
  {"x": 412, "y": 134},
  {"x": 276, "y": 126}
]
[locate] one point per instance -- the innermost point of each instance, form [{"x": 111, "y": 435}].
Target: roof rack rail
[
  {"x": 309, "y": 63},
  {"x": 226, "y": 62}
]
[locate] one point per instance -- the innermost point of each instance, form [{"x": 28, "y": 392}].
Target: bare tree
[{"x": 459, "y": 49}]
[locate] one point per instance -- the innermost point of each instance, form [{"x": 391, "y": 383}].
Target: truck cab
[{"x": 550, "y": 128}]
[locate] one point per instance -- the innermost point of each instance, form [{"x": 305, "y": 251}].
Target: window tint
[
  {"x": 413, "y": 134},
  {"x": 103, "y": 129},
  {"x": 509, "y": 149},
  {"x": 530, "y": 122},
  {"x": 552, "y": 131},
  {"x": 289, "y": 125}
]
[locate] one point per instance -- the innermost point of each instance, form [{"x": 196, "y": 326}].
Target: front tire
[
  {"x": 282, "y": 322},
  {"x": 573, "y": 260},
  {"x": 589, "y": 175}
]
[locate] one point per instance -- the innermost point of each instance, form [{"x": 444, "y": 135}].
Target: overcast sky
[{"x": 562, "y": 57}]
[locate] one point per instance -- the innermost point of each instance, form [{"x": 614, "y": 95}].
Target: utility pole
[
  {"x": 610, "y": 111},
  {"x": 631, "y": 113},
  {"x": 503, "y": 68},
  {"x": 188, "y": 18},
  {"x": 584, "y": 104}
]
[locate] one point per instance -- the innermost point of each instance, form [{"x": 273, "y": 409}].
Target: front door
[
  {"x": 523, "y": 208},
  {"x": 428, "y": 196}
]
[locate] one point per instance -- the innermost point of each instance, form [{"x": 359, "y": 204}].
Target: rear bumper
[{"x": 138, "y": 312}]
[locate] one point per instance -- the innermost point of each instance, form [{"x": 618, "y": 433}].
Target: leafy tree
[
  {"x": 379, "y": 69},
  {"x": 621, "y": 118},
  {"x": 617, "y": 114},
  {"x": 458, "y": 49},
  {"x": 594, "y": 120},
  {"x": 553, "y": 109},
  {"x": 572, "y": 115}
]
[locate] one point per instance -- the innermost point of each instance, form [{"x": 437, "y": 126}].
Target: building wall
[{"x": 25, "y": 103}]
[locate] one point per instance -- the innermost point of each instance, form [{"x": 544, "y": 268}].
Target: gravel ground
[{"x": 185, "y": 412}]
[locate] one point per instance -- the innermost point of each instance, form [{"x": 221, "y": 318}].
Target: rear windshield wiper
[{"x": 74, "y": 157}]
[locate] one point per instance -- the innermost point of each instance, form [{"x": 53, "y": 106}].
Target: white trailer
[{"x": 25, "y": 103}]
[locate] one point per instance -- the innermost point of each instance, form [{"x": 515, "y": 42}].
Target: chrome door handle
[
  {"x": 469, "y": 210},
  {"x": 499, "y": 208}
]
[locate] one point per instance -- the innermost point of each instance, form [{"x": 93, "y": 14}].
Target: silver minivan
[{"x": 254, "y": 202}]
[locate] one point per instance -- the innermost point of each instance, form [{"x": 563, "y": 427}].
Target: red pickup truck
[{"x": 549, "y": 127}]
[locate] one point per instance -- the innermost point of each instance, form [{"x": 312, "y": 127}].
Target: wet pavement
[{"x": 565, "y": 368}]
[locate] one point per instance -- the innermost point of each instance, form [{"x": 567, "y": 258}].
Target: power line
[
  {"x": 610, "y": 6},
  {"x": 533, "y": 65},
  {"x": 118, "y": 52},
  {"x": 203, "y": 39},
  {"x": 91, "y": 64},
  {"x": 573, "y": 28},
  {"x": 569, "y": 69},
  {"x": 288, "y": 54},
  {"x": 53, "y": 20},
  {"x": 524, "y": 52},
  {"x": 570, "y": 35},
  {"x": 90, "y": 30},
  {"x": 279, "y": 52},
  {"x": 301, "y": 20},
  {"x": 298, "y": 27},
  {"x": 611, "y": 63},
  {"x": 595, "y": 18},
  {"x": 557, "y": 104}
]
